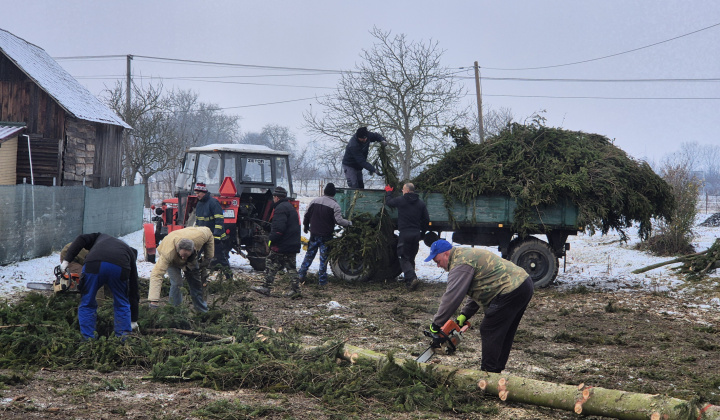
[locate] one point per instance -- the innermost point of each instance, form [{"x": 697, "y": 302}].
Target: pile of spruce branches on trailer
[{"x": 540, "y": 165}]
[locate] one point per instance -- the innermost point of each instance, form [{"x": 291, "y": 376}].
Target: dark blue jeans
[{"x": 316, "y": 242}]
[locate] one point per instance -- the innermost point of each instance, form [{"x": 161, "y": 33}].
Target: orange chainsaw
[
  {"x": 452, "y": 333},
  {"x": 65, "y": 282}
]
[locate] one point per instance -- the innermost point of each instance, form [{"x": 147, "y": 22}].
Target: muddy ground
[{"x": 636, "y": 341}]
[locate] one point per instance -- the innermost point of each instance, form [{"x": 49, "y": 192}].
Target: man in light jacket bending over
[{"x": 181, "y": 252}]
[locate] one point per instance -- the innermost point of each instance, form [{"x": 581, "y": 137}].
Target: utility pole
[
  {"x": 478, "y": 92},
  {"x": 128, "y": 88}
]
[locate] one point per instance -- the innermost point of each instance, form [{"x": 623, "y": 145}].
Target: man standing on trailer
[{"x": 355, "y": 158}]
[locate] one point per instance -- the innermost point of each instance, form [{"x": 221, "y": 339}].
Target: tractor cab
[{"x": 242, "y": 177}]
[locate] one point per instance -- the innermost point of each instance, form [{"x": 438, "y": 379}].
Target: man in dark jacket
[
  {"x": 320, "y": 220},
  {"x": 412, "y": 222},
  {"x": 284, "y": 245},
  {"x": 208, "y": 213},
  {"x": 109, "y": 261},
  {"x": 356, "y": 153}
]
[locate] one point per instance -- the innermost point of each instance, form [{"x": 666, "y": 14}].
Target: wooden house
[{"x": 62, "y": 134}]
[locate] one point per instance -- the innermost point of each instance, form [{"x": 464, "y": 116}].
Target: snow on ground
[{"x": 599, "y": 261}]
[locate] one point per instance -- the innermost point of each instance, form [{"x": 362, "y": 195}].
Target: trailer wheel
[
  {"x": 344, "y": 268},
  {"x": 537, "y": 258}
]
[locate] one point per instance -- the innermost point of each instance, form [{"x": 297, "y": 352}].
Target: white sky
[{"x": 330, "y": 35}]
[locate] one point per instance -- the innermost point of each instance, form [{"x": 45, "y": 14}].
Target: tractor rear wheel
[{"x": 537, "y": 258}]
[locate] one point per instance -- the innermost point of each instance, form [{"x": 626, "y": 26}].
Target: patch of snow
[
  {"x": 597, "y": 261},
  {"x": 334, "y": 305}
]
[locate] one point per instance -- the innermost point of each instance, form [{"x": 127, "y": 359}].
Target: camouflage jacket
[{"x": 479, "y": 274}]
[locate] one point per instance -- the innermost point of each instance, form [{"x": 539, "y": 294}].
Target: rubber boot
[
  {"x": 412, "y": 283},
  {"x": 263, "y": 289},
  {"x": 294, "y": 291}
]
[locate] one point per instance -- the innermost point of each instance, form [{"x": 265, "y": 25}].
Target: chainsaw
[
  {"x": 65, "y": 282},
  {"x": 452, "y": 333}
]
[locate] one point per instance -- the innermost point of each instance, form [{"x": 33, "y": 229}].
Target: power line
[
  {"x": 90, "y": 57},
  {"x": 223, "y": 64},
  {"x": 607, "y": 56},
  {"x": 528, "y": 79},
  {"x": 609, "y": 97}
]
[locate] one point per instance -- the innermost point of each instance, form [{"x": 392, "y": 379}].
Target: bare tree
[
  {"x": 494, "y": 121},
  {"x": 399, "y": 89},
  {"x": 164, "y": 126},
  {"x": 149, "y": 148},
  {"x": 674, "y": 235},
  {"x": 273, "y": 136},
  {"x": 304, "y": 167}
]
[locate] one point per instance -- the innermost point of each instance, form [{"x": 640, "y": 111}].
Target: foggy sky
[{"x": 331, "y": 35}]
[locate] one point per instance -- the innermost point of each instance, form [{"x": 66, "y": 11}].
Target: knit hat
[
  {"x": 280, "y": 192},
  {"x": 329, "y": 189},
  {"x": 200, "y": 187},
  {"x": 361, "y": 133}
]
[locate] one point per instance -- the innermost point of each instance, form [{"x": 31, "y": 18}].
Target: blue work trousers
[{"x": 112, "y": 276}]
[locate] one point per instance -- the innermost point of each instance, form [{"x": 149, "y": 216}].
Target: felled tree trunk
[{"x": 581, "y": 399}]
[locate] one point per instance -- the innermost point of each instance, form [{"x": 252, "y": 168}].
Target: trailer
[{"x": 486, "y": 221}]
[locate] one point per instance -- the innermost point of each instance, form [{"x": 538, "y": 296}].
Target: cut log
[{"x": 582, "y": 399}]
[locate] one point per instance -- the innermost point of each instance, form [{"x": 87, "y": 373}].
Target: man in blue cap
[{"x": 502, "y": 289}]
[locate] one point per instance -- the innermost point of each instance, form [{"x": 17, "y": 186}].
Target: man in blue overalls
[{"x": 109, "y": 261}]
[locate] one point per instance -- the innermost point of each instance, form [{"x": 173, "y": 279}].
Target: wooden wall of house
[
  {"x": 45, "y": 166},
  {"x": 92, "y": 152},
  {"x": 21, "y": 100},
  {"x": 108, "y": 156}
]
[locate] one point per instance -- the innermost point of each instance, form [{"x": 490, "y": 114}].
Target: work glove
[
  {"x": 438, "y": 336},
  {"x": 460, "y": 320},
  {"x": 64, "y": 266},
  {"x": 134, "y": 326},
  {"x": 306, "y": 229},
  {"x": 204, "y": 262},
  {"x": 349, "y": 223},
  {"x": 388, "y": 188}
]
